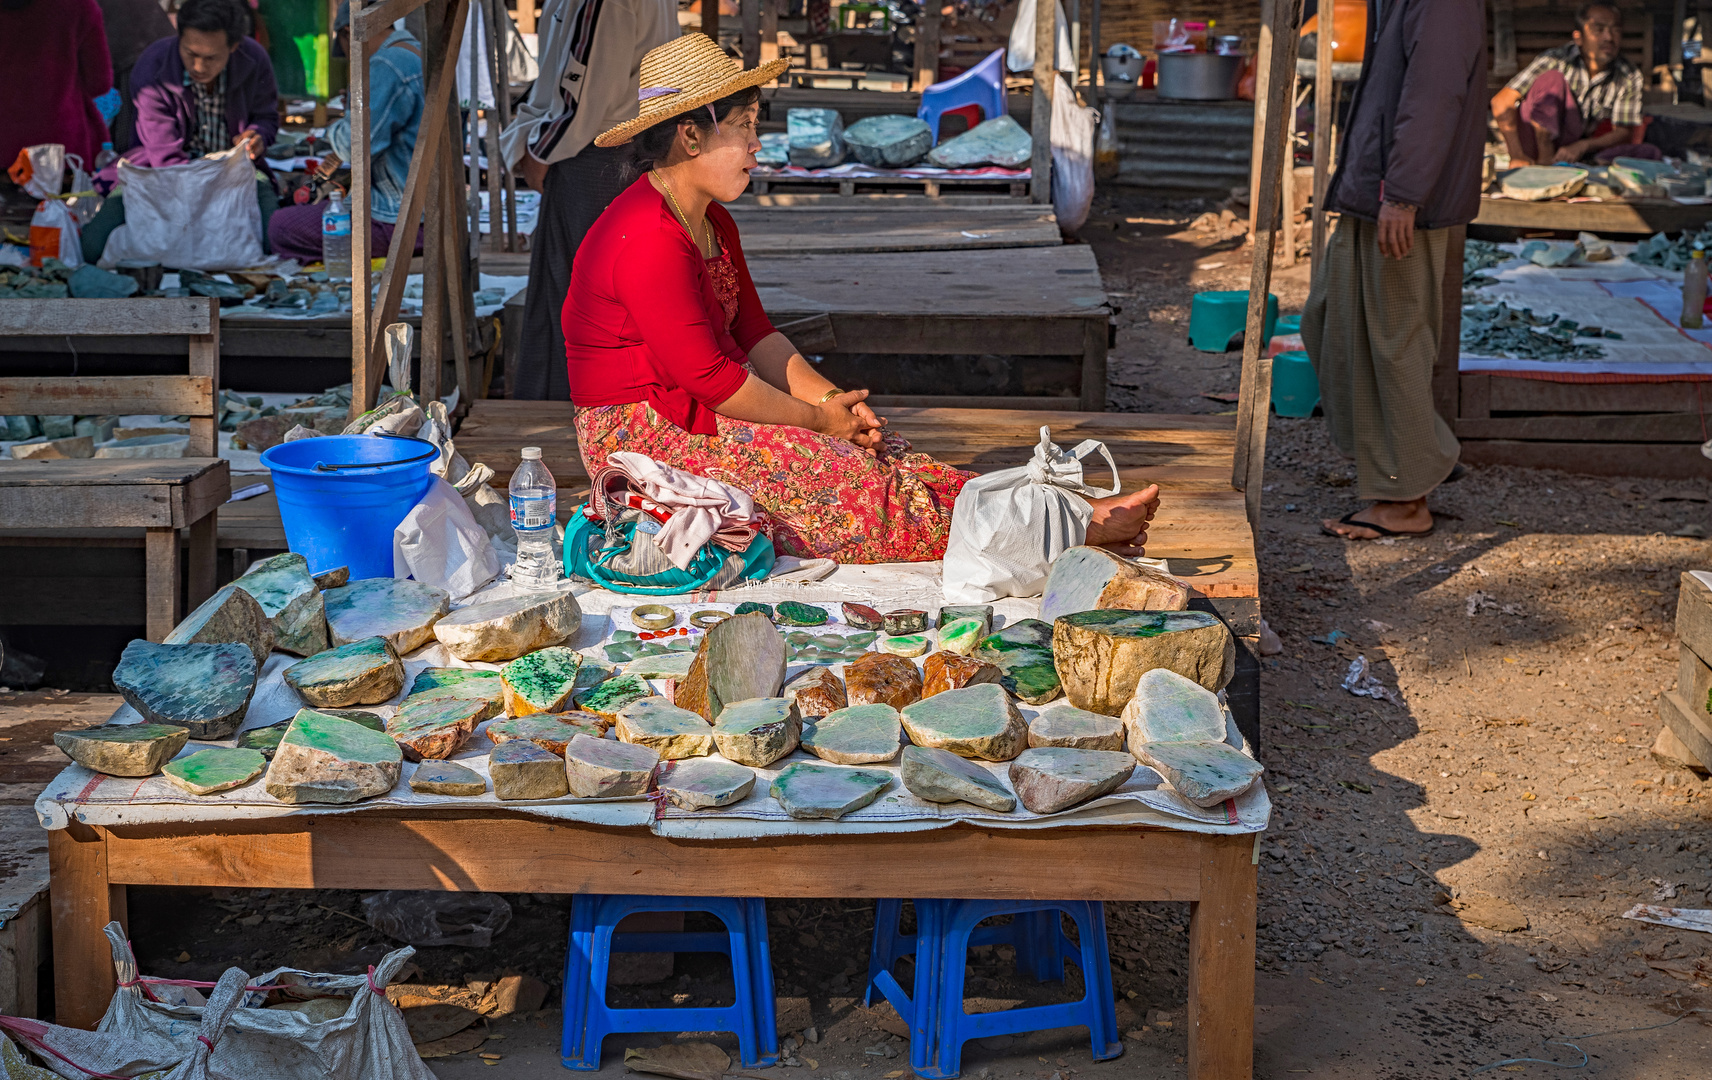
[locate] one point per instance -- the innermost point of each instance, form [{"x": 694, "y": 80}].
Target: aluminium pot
[{"x": 1199, "y": 76}]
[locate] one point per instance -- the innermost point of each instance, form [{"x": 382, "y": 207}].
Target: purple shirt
[{"x": 166, "y": 111}]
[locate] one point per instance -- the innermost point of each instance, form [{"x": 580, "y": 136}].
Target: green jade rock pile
[
  {"x": 287, "y": 592},
  {"x": 1022, "y": 652},
  {"x": 890, "y": 141}
]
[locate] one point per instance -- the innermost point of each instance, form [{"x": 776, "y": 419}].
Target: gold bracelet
[{"x": 829, "y": 395}]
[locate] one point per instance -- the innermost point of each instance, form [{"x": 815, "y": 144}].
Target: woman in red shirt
[{"x": 670, "y": 354}]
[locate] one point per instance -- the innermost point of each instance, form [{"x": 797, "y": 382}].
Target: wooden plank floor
[
  {"x": 868, "y": 228},
  {"x": 1042, "y": 283}
]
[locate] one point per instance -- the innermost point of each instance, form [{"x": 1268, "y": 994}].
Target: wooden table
[
  {"x": 509, "y": 852},
  {"x": 1646, "y": 216},
  {"x": 778, "y": 225}
]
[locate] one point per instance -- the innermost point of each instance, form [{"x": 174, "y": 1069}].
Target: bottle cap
[{"x": 531, "y": 453}]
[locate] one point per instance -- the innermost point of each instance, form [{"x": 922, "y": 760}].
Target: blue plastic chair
[
  {"x": 1295, "y": 386},
  {"x": 945, "y": 931},
  {"x": 588, "y": 1019},
  {"x": 982, "y": 85},
  {"x": 1217, "y": 316}
]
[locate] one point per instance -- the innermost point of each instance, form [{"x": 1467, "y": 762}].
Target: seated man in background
[
  {"x": 206, "y": 89},
  {"x": 395, "y": 114},
  {"x": 1577, "y": 102}
]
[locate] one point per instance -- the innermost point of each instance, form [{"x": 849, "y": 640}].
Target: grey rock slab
[
  {"x": 1090, "y": 578},
  {"x": 1170, "y": 708},
  {"x": 999, "y": 141},
  {"x": 1079, "y": 729},
  {"x": 402, "y": 612},
  {"x": 541, "y": 682},
  {"x": 506, "y": 629},
  {"x": 605, "y": 769},
  {"x": 662, "y": 727},
  {"x": 550, "y": 731},
  {"x": 216, "y": 769},
  {"x": 942, "y": 777},
  {"x": 523, "y": 771},
  {"x": 1205, "y": 773},
  {"x": 230, "y": 615},
  {"x": 703, "y": 783},
  {"x": 1101, "y": 655},
  {"x": 77, "y": 446},
  {"x": 739, "y": 658},
  {"x": 366, "y": 672},
  {"x": 890, "y": 141},
  {"x": 284, "y": 588},
  {"x": 758, "y": 731},
  {"x": 123, "y": 749},
  {"x": 324, "y": 759},
  {"x": 333, "y": 579},
  {"x": 809, "y": 791},
  {"x": 815, "y": 137},
  {"x": 149, "y": 446},
  {"x": 973, "y": 722},
  {"x": 1054, "y": 778},
  {"x": 817, "y": 692},
  {"x": 859, "y": 735},
  {"x": 202, "y": 688},
  {"x": 447, "y": 778},
  {"x": 665, "y": 666}
]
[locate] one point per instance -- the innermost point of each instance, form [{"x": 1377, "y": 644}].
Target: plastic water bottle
[
  {"x": 336, "y": 239},
  {"x": 534, "y": 512},
  {"x": 106, "y": 157},
  {"x": 1694, "y": 291}
]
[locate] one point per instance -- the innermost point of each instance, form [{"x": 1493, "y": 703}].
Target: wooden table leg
[
  {"x": 161, "y": 578},
  {"x": 1221, "y": 962},
  {"x": 83, "y": 903},
  {"x": 1094, "y": 365},
  {"x": 204, "y": 557}
]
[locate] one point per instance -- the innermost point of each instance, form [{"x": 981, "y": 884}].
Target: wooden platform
[
  {"x": 1630, "y": 216},
  {"x": 867, "y": 227},
  {"x": 1013, "y": 187}
]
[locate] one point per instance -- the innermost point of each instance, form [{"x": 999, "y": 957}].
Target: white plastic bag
[
  {"x": 46, "y": 170},
  {"x": 201, "y": 215},
  {"x": 54, "y": 234},
  {"x": 440, "y": 544},
  {"x": 1073, "y": 126},
  {"x": 1019, "y": 54},
  {"x": 1009, "y": 525}
]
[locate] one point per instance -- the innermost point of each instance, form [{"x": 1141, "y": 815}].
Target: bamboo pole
[
  {"x": 927, "y": 35},
  {"x": 357, "y": 109},
  {"x": 1045, "y": 61}
]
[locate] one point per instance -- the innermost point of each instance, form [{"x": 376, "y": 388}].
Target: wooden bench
[{"x": 158, "y": 495}]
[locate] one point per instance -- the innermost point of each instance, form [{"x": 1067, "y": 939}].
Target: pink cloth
[
  {"x": 56, "y": 65},
  {"x": 702, "y": 510}
]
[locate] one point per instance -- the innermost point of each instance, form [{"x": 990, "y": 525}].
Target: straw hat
[{"x": 686, "y": 74}]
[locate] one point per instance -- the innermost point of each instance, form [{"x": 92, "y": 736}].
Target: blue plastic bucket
[{"x": 341, "y": 496}]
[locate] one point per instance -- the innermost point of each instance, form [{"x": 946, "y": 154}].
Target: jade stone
[
  {"x": 550, "y": 731},
  {"x": 904, "y": 621},
  {"x": 123, "y": 749},
  {"x": 284, "y": 588},
  {"x": 703, "y": 783},
  {"x": 752, "y": 607},
  {"x": 961, "y": 637},
  {"x": 436, "y": 727},
  {"x": 878, "y": 677},
  {"x": 332, "y": 579},
  {"x": 1205, "y": 773},
  {"x": 662, "y": 727},
  {"x": 740, "y": 658},
  {"x": 447, "y": 778},
  {"x": 942, "y": 777},
  {"x": 863, "y": 617},
  {"x": 999, "y": 141},
  {"x": 523, "y": 771},
  {"x": 594, "y": 672},
  {"x": 1066, "y": 725},
  {"x": 470, "y": 684},
  {"x": 372, "y": 721},
  {"x": 859, "y": 735},
  {"x": 943, "y": 671},
  {"x": 498, "y": 630},
  {"x": 973, "y": 722},
  {"x": 612, "y": 695},
  {"x": 366, "y": 672},
  {"x": 403, "y": 612},
  {"x": 621, "y": 652},
  {"x": 1101, "y": 655},
  {"x": 669, "y": 666},
  {"x": 815, "y": 137},
  {"x": 951, "y": 613},
  {"x": 598, "y": 768},
  {"x": 202, "y": 688},
  {"x": 890, "y": 141},
  {"x": 791, "y": 613},
  {"x": 775, "y": 150},
  {"x": 541, "y": 682},
  {"x": 1022, "y": 652},
  {"x": 758, "y": 731},
  {"x": 230, "y": 615},
  {"x": 1169, "y": 708},
  {"x": 216, "y": 769},
  {"x": 809, "y": 791},
  {"x": 906, "y": 644},
  {"x": 817, "y": 692},
  {"x": 1054, "y": 778},
  {"x": 1089, "y": 578},
  {"x": 324, "y": 759},
  {"x": 266, "y": 739}
]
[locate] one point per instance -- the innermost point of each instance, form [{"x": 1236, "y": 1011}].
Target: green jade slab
[
  {"x": 266, "y": 739},
  {"x": 889, "y": 141},
  {"x": 999, "y": 141},
  {"x": 469, "y": 684},
  {"x": 1169, "y": 708},
  {"x": 550, "y": 731},
  {"x": 282, "y": 585},
  {"x": 1022, "y": 652},
  {"x": 962, "y": 636},
  {"x": 230, "y": 615},
  {"x": 436, "y": 727},
  {"x": 662, "y": 727},
  {"x": 1101, "y": 655},
  {"x": 541, "y": 682},
  {"x": 324, "y": 759},
  {"x": 672, "y": 665},
  {"x": 808, "y": 791},
  {"x": 132, "y": 750},
  {"x": 858, "y": 735},
  {"x": 403, "y": 612},
  {"x": 754, "y": 607},
  {"x": 791, "y": 613},
  {"x": 1079, "y": 729},
  {"x": 703, "y": 783},
  {"x": 447, "y": 778},
  {"x": 972, "y": 721},
  {"x": 815, "y": 137},
  {"x": 951, "y": 613},
  {"x": 1205, "y": 773},
  {"x": 606, "y": 699},
  {"x": 942, "y": 777},
  {"x": 906, "y": 645},
  {"x": 216, "y": 769},
  {"x": 366, "y": 672},
  {"x": 204, "y": 689},
  {"x": 758, "y": 731}
]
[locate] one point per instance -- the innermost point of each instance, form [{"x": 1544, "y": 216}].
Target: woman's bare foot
[
  {"x": 1410, "y": 518},
  {"x": 1120, "y": 521}
]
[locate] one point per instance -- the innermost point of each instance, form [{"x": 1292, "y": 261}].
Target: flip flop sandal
[{"x": 1349, "y": 519}]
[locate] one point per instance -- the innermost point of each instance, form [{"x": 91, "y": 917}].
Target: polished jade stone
[
  {"x": 889, "y": 141},
  {"x": 215, "y": 769},
  {"x": 752, "y": 607},
  {"x": 858, "y": 735},
  {"x": 960, "y": 637},
  {"x": 1022, "y": 652},
  {"x": 906, "y": 644},
  {"x": 202, "y": 688},
  {"x": 541, "y": 681},
  {"x": 1170, "y": 708},
  {"x": 612, "y": 695},
  {"x": 469, "y": 683},
  {"x": 791, "y": 613},
  {"x": 669, "y": 666},
  {"x": 810, "y": 791}
]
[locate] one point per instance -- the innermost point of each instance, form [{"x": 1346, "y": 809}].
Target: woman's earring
[{"x": 695, "y": 148}]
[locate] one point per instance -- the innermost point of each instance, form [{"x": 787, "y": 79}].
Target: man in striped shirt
[{"x": 1576, "y": 102}]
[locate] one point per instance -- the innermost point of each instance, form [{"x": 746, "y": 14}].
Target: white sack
[
  {"x": 440, "y": 544},
  {"x": 1019, "y": 55},
  {"x": 1073, "y": 126},
  {"x": 201, "y": 215}
]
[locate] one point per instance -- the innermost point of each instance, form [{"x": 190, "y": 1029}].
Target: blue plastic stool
[
  {"x": 1288, "y": 324},
  {"x": 588, "y": 1019},
  {"x": 1295, "y": 386},
  {"x": 946, "y": 929},
  {"x": 1216, "y": 317},
  {"x": 983, "y": 85}
]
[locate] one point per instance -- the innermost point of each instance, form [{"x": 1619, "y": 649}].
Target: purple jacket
[{"x": 165, "y": 111}]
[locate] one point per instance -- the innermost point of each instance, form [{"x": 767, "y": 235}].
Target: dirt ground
[{"x": 1510, "y": 784}]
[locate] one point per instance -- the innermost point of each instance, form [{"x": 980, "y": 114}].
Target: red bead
[{"x": 645, "y": 636}]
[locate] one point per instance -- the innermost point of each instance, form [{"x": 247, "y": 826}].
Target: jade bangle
[{"x": 653, "y": 616}]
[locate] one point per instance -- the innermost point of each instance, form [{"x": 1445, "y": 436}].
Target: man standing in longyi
[{"x": 1408, "y": 174}]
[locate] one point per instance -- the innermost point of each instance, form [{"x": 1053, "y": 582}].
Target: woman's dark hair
[
  {"x": 651, "y": 147},
  {"x": 208, "y": 16}
]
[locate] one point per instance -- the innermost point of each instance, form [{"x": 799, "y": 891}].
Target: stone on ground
[
  {"x": 740, "y": 658},
  {"x": 1205, "y": 773},
  {"x": 597, "y": 768},
  {"x": 541, "y": 682},
  {"x": 815, "y": 137},
  {"x": 703, "y": 783},
  {"x": 1022, "y": 652},
  {"x": 202, "y": 688},
  {"x": 287, "y": 593},
  {"x": 1101, "y": 655},
  {"x": 521, "y": 770},
  {"x": 890, "y": 141},
  {"x": 904, "y": 621},
  {"x": 809, "y": 791},
  {"x": 147, "y": 446},
  {"x": 876, "y": 677},
  {"x": 1094, "y": 578},
  {"x": 962, "y": 636},
  {"x": 1491, "y": 912},
  {"x": 906, "y": 645},
  {"x": 817, "y": 692},
  {"x": 758, "y": 731},
  {"x": 664, "y": 728},
  {"x": 216, "y": 769},
  {"x": 999, "y": 141},
  {"x": 974, "y": 722},
  {"x": 863, "y": 617},
  {"x": 1169, "y": 708},
  {"x": 323, "y": 759},
  {"x": 332, "y": 579},
  {"x": 550, "y": 731},
  {"x": 1054, "y": 778},
  {"x": 606, "y": 699},
  {"x": 942, "y": 777},
  {"x": 506, "y": 629},
  {"x": 859, "y": 735},
  {"x": 230, "y": 615},
  {"x": 366, "y": 672},
  {"x": 943, "y": 671},
  {"x": 447, "y": 778},
  {"x": 402, "y": 612},
  {"x": 123, "y": 749},
  {"x": 1078, "y": 729}
]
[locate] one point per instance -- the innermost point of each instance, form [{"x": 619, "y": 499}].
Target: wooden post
[
  {"x": 462, "y": 273},
  {"x": 357, "y": 110},
  {"x": 1447, "y": 374},
  {"x": 1075, "y": 43},
  {"x": 1221, "y": 961},
  {"x": 750, "y": 12},
  {"x": 1288, "y": 215},
  {"x": 526, "y": 16},
  {"x": 769, "y": 30},
  {"x": 710, "y": 19},
  {"x": 83, "y": 902},
  {"x": 1277, "y": 55},
  {"x": 1323, "y": 95},
  {"x": 1504, "y": 35},
  {"x": 1045, "y": 61},
  {"x": 500, "y": 33},
  {"x": 1096, "y": 70},
  {"x": 927, "y": 34}
]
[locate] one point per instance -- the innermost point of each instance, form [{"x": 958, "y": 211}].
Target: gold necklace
[{"x": 685, "y": 218}]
